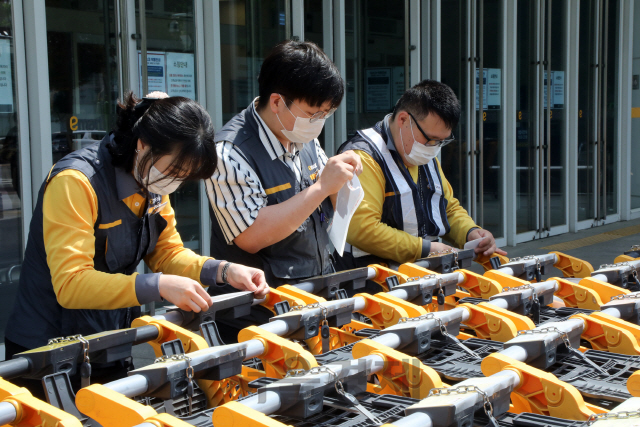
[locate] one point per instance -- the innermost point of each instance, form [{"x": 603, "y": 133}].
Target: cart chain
[
  {"x": 425, "y": 277},
  {"x": 63, "y": 340},
  {"x": 534, "y": 296},
  {"x": 594, "y": 418},
  {"x": 635, "y": 295},
  {"x": 443, "y": 331},
  {"x": 189, "y": 371},
  {"x": 567, "y": 343},
  {"x": 439, "y": 253},
  {"x": 620, "y": 264},
  {"x": 464, "y": 389}
]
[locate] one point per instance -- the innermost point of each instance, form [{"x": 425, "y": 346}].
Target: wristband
[{"x": 223, "y": 275}]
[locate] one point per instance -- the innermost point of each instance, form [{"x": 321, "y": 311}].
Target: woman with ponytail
[{"x": 102, "y": 210}]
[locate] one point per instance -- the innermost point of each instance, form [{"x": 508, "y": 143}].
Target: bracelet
[{"x": 225, "y": 269}]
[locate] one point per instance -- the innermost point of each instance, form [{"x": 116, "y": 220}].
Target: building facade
[{"x": 547, "y": 143}]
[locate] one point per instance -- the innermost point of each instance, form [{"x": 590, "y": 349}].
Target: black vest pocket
[{"x": 120, "y": 248}]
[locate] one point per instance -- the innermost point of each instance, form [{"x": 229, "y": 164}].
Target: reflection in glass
[
  {"x": 558, "y": 117},
  {"x": 249, "y": 29},
  {"x": 171, "y": 68},
  {"x": 10, "y": 203},
  {"x": 597, "y": 111},
  {"x": 491, "y": 119},
  {"x": 83, "y": 75},
  {"x": 526, "y": 119},
  {"x": 313, "y": 22},
  {"x": 587, "y": 76},
  {"x": 611, "y": 118},
  {"x": 454, "y": 73},
  {"x": 375, "y": 55},
  {"x": 531, "y": 125},
  {"x": 313, "y": 32}
]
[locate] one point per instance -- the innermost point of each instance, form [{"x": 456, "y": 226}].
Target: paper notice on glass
[{"x": 348, "y": 200}]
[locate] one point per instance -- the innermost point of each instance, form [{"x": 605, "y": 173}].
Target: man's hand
[
  {"x": 186, "y": 293},
  {"x": 246, "y": 278},
  {"x": 338, "y": 170},
  {"x": 488, "y": 245}
]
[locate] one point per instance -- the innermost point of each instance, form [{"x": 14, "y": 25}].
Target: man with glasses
[
  {"x": 408, "y": 202},
  {"x": 273, "y": 189}
]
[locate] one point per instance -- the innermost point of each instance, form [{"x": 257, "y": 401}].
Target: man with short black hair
[
  {"x": 273, "y": 191},
  {"x": 408, "y": 202}
]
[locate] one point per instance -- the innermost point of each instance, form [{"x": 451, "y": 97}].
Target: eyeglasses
[
  {"x": 317, "y": 115},
  {"x": 433, "y": 142}
]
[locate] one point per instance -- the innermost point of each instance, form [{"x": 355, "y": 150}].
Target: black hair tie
[{"x": 144, "y": 104}]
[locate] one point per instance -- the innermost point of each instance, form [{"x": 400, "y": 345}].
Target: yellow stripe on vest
[
  {"x": 110, "y": 225},
  {"x": 278, "y": 188},
  {"x": 389, "y": 194}
]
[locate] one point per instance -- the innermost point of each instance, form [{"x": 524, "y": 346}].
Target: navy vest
[
  {"x": 427, "y": 194},
  {"x": 37, "y": 316},
  {"x": 304, "y": 253}
]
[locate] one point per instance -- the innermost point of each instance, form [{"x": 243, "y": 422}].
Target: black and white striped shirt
[{"x": 235, "y": 191}]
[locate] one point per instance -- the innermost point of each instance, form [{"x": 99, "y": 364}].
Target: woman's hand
[
  {"x": 440, "y": 247},
  {"x": 245, "y": 278},
  {"x": 186, "y": 293}
]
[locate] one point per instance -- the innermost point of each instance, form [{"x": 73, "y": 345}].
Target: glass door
[
  {"x": 10, "y": 170},
  {"x": 541, "y": 135},
  {"x": 597, "y": 115},
  {"x": 166, "y": 42},
  {"x": 472, "y": 67},
  {"x": 376, "y": 57}
]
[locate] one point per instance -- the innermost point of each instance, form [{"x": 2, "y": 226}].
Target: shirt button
[
  {"x": 137, "y": 203},
  {"x": 97, "y": 161}
]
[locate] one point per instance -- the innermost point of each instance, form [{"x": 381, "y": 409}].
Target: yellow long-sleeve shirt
[
  {"x": 368, "y": 233},
  {"x": 70, "y": 208}
]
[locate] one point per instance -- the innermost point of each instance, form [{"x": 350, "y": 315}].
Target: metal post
[
  {"x": 540, "y": 115},
  {"x": 598, "y": 143},
  {"x": 143, "y": 46},
  {"x": 548, "y": 148},
  {"x": 297, "y": 19},
  {"x": 480, "y": 188},
  {"x": 407, "y": 44},
  {"x": 605, "y": 72},
  {"x": 471, "y": 39},
  {"x": 339, "y": 58}
]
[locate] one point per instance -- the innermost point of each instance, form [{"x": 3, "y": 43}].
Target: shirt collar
[
  {"x": 386, "y": 132},
  {"x": 274, "y": 147},
  {"x": 126, "y": 185}
]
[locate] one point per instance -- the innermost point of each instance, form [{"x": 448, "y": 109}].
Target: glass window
[
  {"x": 375, "y": 55},
  {"x": 171, "y": 68},
  {"x": 313, "y": 22},
  {"x": 249, "y": 29},
  {"x": 313, "y": 32},
  {"x": 83, "y": 73},
  {"x": 10, "y": 204}
]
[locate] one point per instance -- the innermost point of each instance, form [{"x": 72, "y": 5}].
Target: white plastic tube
[
  {"x": 8, "y": 413},
  {"x": 414, "y": 420},
  {"x": 134, "y": 385}
]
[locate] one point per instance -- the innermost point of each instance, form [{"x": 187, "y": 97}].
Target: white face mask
[
  {"x": 303, "y": 130},
  {"x": 420, "y": 154},
  {"x": 159, "y": 183}
]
